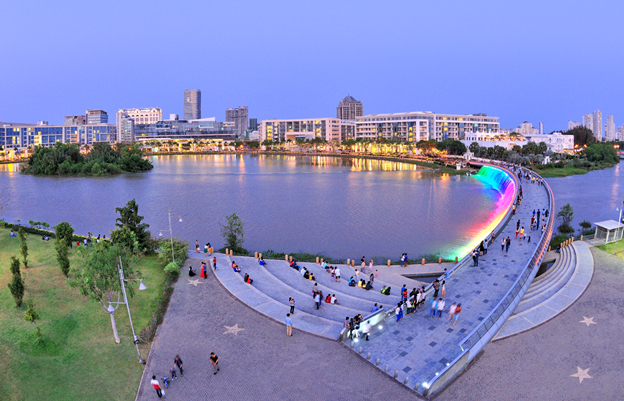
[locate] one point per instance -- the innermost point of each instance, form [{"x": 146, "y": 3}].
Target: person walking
[
  {"x": 434, "y": 306},
  {"x": 197, "y": 246},
  {"x": 452, "y": 311},
  {"x": 476, "y": 257},
  {"x": 441, "y": 305},
  {"x": 214, "y": 262},
  {"x": 156, "y": 384},
  {"x": 317, "y": 299},
  {"x": 456, "y": 315},
  {"x": 503, "y": 243},
  {"x": 291, "y": 301},
  {"x": 521, "y": 233},
  {"x": 485, "y": 246},
  {"x": 177, "y": 361},
  {"x": 337, "y": 272},
  {"x": 215, "y": 362},
  {"x": 443, "y": 289},
  {"x": 206, "y": 251},
  {"x": 507, "y": 243},
  {"x": 366, "y": 328},
  {"x": 289, "y": 324},
  {"x": 436, "y": 288}
]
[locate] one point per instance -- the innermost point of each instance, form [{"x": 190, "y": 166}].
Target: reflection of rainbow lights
[{"x": 505, "y": 185}]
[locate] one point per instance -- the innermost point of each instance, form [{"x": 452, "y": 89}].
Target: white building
[
  {"x": 556, "y": 141},
  {"x": 573, "y": 124},
  {"x": 328, "y": 129},
  {"x": 588, "y": 121},
  {"x": 609, "y": 129},
  {"x": 597, "y": 128},
  {"x": 619, "y": 134},
  {"x": 143, "y": 116},
  {"x": 526, "y": 128},
  {"x": 125, "y": 127},
  {"x": 541, "y": 128}
]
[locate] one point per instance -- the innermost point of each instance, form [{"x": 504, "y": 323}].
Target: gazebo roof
[{"x": 609, "y": 225}]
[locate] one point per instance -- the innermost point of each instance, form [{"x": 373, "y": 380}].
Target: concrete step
[
  {"x": 554, "y": 285},
  {"x": 272, "y": 287},
  {"x": 552, "y": 274}
]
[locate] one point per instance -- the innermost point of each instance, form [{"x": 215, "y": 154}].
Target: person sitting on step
[{"x": 236, "y": 267}]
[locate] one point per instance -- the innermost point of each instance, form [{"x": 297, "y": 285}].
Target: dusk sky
[{"x": 549, "y": 61}]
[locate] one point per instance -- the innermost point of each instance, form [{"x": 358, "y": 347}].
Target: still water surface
[{"x": 344, "y": 208}]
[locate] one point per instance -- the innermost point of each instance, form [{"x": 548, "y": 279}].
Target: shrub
[{"x": 16, "y": 285}]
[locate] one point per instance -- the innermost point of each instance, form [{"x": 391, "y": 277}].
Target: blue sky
[{"x": 547, "y": 61}]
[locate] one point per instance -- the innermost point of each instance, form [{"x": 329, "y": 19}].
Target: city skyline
[{"x": 511, "y": 62}]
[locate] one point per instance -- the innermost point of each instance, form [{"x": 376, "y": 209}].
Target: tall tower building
[
  {"x": 240, "y": 118},
  {"x": 597, "y": 129},
  {"x": 349, "y": 108},
  {"x": 610, "y": 129},
  {"x": 573, "y": 124},
  {"x": 96, "y": 117},
  {"x": 541, "y": 128},
  {"x": 588, "y": 121},
  {"x": 192, "y": 104}
]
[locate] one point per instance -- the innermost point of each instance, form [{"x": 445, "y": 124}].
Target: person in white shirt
[
  {"x": 452, "y": 311},
  {"x": 366, "y": 328},
  {"x": 337, "y": 272},
  {"x": 441, "y": 306}
]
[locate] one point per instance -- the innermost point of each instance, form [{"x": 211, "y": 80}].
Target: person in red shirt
[{"x": 157, "y": 387}]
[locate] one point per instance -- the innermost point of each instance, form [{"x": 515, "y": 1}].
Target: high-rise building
[
  {"x": 253, "y": 124},
  {"x": 609, "y": 129},
  {"x": 541, "y": 128},
  {"x": 143, "y": 116},
  {"x": 588, "y": 121},
  {"x": 96, "y": 117},
  {"x": 192, "y": 104},
  {"x": 573, "y": 124},
  {"x": 597, "y": 129},
  {"x": 619, "y": 134},
  {"x": 75, "y": 120},
  {"x": 240, "y": 118},
  {"x": 349, "y": 109},
  {"x": 125, "y": 127}
]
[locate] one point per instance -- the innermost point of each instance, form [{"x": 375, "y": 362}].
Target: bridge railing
[{"x": 476, "y": 340}]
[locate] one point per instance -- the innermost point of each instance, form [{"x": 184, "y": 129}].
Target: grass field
[
  {"x": 79, "y": 359},
  {"x": 560, "y": 172},
  {"x": 619, "y": 248}
]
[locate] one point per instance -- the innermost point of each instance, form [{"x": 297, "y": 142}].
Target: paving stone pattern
[
  {"x": 425, "y": 345},
  {"x": 260, "y": 362}
]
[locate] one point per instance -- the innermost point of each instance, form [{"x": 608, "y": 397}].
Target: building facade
[
  {"x": 96, "y": 117},
  {"x": 75, "y": 120},
  {"x": 588, "y": 121},
  {"x": 573, "y": 124},
  {"x": 557, "y": 142},
  {"x": 207, "y": 128},
  {"x": 125, "y": 127},
  {"x": 609, "y": 129},
  {"x": 349, "y": 109},
  {"x": 14, "y": 136},
  {"x": 328, "y": 129},
  {"x": 192, "y": 104},
  {"x": 597, "y": 128},
  {"x": 619, "y": 133},
  {"x": 253, "y": 124},
  {"x": 419, "y": 125},
  {"x": 240, "y": 118}
]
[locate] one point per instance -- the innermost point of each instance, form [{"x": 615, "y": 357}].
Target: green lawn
[
  {"x": 619, "y": 248},
  {"x": 560, "y": 172},
  {"x": 80, "y": 359}
]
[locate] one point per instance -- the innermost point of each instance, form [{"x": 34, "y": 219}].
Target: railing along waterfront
[{"x": 476, "y": 340}]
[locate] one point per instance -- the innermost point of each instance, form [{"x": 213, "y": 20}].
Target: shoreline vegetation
[{"x": 101, "y": 160}]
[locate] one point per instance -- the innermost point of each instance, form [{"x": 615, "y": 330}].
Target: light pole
[
  {"x": 618, "y": 227},
  {"x": 170, "y": 231},
  {"x": 142, "y": 287}
]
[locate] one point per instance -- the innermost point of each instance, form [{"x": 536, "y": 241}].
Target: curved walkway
[{"x": 554, "y": 293}]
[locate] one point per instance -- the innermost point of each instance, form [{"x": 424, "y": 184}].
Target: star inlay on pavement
[
  {"x": 234, "y": 329},
  {"x": 588, "y": 321},
  {"x": 582, "y": 374},
  {"x": 194, "y": 282}
]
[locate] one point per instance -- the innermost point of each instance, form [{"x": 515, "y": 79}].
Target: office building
[
  {"x": 610, "y": 129},
  {"x": 423, "y": 125},
  {"x": 96, "y": 117},
  {"x": 597, "y": 129},
  {"x": 588, "y": 121},
  {"x": 206, "y": 128},
  {"x": 349, "y": 109},
  {"x": 21, "y": 136},
  {"x": 556, "y": 141},
  {"x": 573, "y": 124},
  {"x": 75, "y": 120},
  {"x": 240, "y": 118},
  {"x": 541, "y": 128},
  {"x": 253, "y": 124},
  {"x": 143, "y": 116},
  {"x": 619, "y": 134},
  {"x": 328, "y": 129},
  {"x": 125, "y": 127},
  {"x": 192, "y": 104}
]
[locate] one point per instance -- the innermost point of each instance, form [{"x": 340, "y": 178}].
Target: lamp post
[
  {"x": 618, "y": 227},
  {"x": 142, "y": 287},
  {"x": 170, "y": 231}
]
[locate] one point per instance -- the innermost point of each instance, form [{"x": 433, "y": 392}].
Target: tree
[
  {"x": 16, "y": 285},
  {"x": 233, "y": 232},
  {"x": 32, "y": 316},
  {"x": 542, "y": 147},
  {"x": 130, "y": 221},
  {"x": 23, "y": 246},
  {"x": 64, "y": 233},
  {"x": 452, "y": 147},
  {"x": 96, "y": 275},
  {"x": 516, "y": 148},
  {"x": 565, "y": 216},
  {"x": 582, "y": 136},
  {"x": 601, "y": 153}
]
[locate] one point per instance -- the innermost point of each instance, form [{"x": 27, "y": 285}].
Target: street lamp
[
  {"x": 142, "y": 287},
  {"x": 170, "y": 231}
]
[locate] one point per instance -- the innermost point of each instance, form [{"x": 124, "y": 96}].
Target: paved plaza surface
[
  {"x": 258, "y": 363},
  {"x": 578, "y": 355},
  {"x": 419, "y": 346}
]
